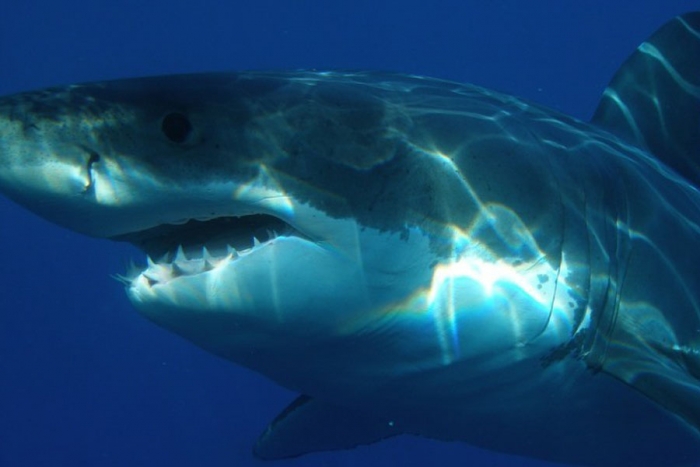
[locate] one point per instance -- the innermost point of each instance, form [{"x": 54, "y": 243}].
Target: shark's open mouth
[
  {"x": 216, "y": 235},
  {"x": 193, "y": 246},
  {"x": 197, "y": 246}
]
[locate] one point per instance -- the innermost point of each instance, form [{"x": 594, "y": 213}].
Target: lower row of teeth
[{"x": 164, "y": 270}]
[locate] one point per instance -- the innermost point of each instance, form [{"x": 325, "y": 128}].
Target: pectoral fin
[
  {"x": 670, "y": 382},
  {"x": 309, "y": 425}
]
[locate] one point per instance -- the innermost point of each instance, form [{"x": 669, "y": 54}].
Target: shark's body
[{"x": 413, "y": 255}]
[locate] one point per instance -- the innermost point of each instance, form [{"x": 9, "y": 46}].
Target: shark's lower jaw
[{"x": 241, "y": 297}]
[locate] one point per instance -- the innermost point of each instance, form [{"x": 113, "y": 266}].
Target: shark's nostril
[{"x": 94, "y": 158}]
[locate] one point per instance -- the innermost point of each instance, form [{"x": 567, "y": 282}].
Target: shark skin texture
[{"x": 411, "y": 255}]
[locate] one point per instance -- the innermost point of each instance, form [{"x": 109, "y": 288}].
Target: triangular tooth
[
  {"x": 231, "y": 253},
  {"x": 205, "y": 253},
  {"x": 149, "y": 262},
  {"x": 256, "y": 242},
  {"x": 208, "y": 265},
  {"x": 165, "y": 258},
  {"x": 180, "y": 254}
]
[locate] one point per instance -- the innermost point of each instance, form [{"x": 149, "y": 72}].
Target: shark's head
[
  {"x": 281, "y": 212},
  {"x": 244, "y": 192}
]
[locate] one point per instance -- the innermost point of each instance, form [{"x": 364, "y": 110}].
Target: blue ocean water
[{"x": 84, "y": 380}]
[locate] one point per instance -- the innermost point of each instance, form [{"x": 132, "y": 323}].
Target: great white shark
[{"x": 411, "y": 255}]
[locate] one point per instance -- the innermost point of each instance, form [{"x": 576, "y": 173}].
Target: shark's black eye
[{"x": 176, "y": 127}]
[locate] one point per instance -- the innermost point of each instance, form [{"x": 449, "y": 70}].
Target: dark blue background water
[{"x": 84, "y": 380}]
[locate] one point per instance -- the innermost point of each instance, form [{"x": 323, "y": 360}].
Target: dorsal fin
[{"x": 654, "y": 99}]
